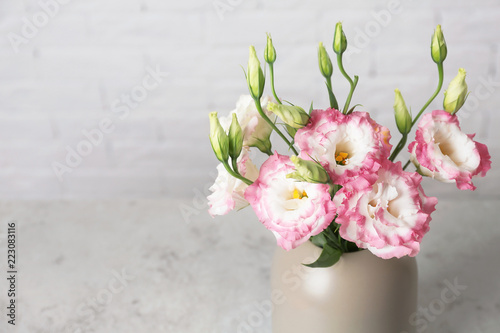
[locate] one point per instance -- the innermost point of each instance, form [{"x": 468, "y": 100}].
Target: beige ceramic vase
[{"x": 361, "y": 293}]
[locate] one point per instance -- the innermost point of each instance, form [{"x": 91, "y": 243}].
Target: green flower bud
[
  {"x": 293, "y": 116},
  {"x": 438, "y": 46},
  {"x": 264, "y": 145},
  {"x": 403, "y": 117},
  {"x": 339, "y": 39},
  {"x": 325, "y": 64},
  {"x": 218, "y": 138},
  {"x": 255, "y": 76},
  {"x": 270, "y": 51},
  {"x": 235, "y": 138},
  {"x": 456, "y": 94},
  {"x": 308, "y": 171}
]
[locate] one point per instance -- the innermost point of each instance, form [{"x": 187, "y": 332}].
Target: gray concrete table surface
[{"x": 166, "y": 266}]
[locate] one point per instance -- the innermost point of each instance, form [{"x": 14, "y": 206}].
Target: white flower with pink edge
[
  {"x": 346, "y": 145},
  {"x": 228, "y": 191},
  {"x": 390, "y": 217},
  {"x": 442, "y": 151},
  {"x": 294, "y": 211}
]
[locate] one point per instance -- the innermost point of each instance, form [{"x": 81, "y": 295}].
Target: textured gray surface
[
  {"x": 76, "y": 69},
  {"x": 210, "y": 275}
]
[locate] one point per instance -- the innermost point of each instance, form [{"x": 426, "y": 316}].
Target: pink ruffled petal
[
  {"x": 457, "y": 157},
  {"x": 330, "y": 132},
  {"x": 292, "y": 221},
  {"x": 389, "y": 217}
]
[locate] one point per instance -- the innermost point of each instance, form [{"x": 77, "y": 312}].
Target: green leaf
[
  {"x": 351, "y": 247},
  {"x": 330, "y": 235},
  {"x": 352, "y": 109},
  {"x": 290, "y": 130},
  {"x": 328, "y": 257},
  {"x": 291, "y": 104},
  {"x": 319, "y": 240},
  {"x": 331, "y": 97},
  {"x": 311, "y": 107}
]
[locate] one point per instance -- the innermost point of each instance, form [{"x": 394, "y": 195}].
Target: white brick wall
[{"x": 69, "y": 75}]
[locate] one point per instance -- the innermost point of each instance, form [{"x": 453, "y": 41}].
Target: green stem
[
  {"x": 236, "y": 175},
  {"x": 234, "y": 163},
  {"x": 346, "y": 106},
  {"x": 351, "y": 82},
  {"x": 342, "y": 70},
  {"x": 401, "y": 144},
  {"x": 273, "y": 126},
  {"x": 399, "y": 147},
  {"x": 333, "y": 101},
  {"x": 271, "y": 73},
  {"x": 406, "y": 165},
  {"x": 438, "y": 89}
]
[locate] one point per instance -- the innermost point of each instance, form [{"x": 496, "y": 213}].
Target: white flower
[
  {"x": 227, "y": 191},
  {"x": 256, "y": 130}
]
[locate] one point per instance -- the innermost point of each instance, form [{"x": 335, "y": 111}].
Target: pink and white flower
[
  {"x": 442, "y": 151},
  {"x": 255, "y": 129},
  {"x": 390, "y": 217},
  {"x": 346, "y": 145},
  {"x": 292, "y": 210},
  {"x": 227, "y": 191}
]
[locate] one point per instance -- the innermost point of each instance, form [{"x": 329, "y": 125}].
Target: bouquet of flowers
[{"x": 340, "y": 187}]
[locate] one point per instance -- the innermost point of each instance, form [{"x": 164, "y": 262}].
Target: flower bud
[
  {"x": 308, "y": 171},
  {"x": 218, "y": 138},
  {"x": 339, "y": 39},
  {"x": 235, "y": 137},
  {"x": 270, "y": 51},
  {"x": 438, "y": 46},
  {"x": 456, "y": 94},
  {"x": 293, "y": 116},
  {"x": 403, "y": 117},
  {"x": 255, "y": 76},
  {"x": 325, "y": 64},
  {"x": 264, "y": 145}
]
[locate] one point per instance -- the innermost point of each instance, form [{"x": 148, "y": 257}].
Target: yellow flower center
[
  {"x": 341, "y": 158},
  {"x": 298, "y": 195}
]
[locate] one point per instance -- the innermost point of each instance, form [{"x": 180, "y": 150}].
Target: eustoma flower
[
  {"x": 346, "y": 145},
  {"x": 390, "y": 217},
  {"x": 256, "y": 130},
  {"x": 227, "y": 191},
  {"x": 442, "y": 151},
  {"x": 292, "y": 210}
]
